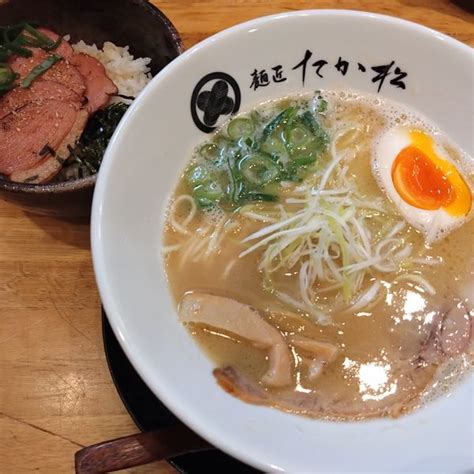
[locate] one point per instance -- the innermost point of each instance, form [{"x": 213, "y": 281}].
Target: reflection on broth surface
[{"x": 313, "y": 287}]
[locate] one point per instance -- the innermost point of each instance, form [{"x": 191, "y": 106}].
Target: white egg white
[{"x": 435, "y": 225}]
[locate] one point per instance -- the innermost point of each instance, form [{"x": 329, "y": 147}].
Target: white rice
[{"x": 130, "y": 75}]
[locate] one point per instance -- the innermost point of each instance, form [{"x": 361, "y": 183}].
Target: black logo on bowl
[{"x": 215, "y": 94}]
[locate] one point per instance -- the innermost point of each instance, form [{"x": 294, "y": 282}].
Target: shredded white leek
[
  {"x": 422, "y": 282},
  {"x": 330, "y": 241},
  {"x": 258, "y": 217},
  {"x": 319, "y": 316},
  {"x": 367, "y": 298}
]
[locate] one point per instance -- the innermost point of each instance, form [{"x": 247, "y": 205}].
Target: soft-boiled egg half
[{"x": 421, "y": 179}]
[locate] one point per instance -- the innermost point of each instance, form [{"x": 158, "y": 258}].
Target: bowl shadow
[{"x": 73, "y": 231}]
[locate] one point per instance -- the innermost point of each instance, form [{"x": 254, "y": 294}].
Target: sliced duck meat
[
  {"x": 45, "y": 171},
  {"x": 64, "y": 49},
  {"x": 23, "y": 66},
  {"x": 63, "y": 71},
  {"x": 62, "y": 152},
  {"x": 67, "y": 74},
  {"x": 54, "y": 158},
  {"x": 411, "y": 382},
  {"x": 38, "y": 92},
  {"x": 25, "y": 132},
  {"x": 243, "y": 321},
  {"x": 99, "y": 87}
]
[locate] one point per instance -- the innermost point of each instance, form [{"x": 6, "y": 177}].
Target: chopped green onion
[
  {"x": 322, "y": 106},
  {"x": 277, "y": 121},
  {"x": 40, "y": 69},
  {"x": 9, "y": 41},
  {"x": 235, "y": 186},
  {"x": 240, "y": 128},
  {"x": 6, "y": 74},
  {"x": 274, "y": 146},
  {"x": 7, "y": 78},
  {"x": 209, "y": 151},
  {"x": 321, "y": 137},
  {"x": 294, "y": 166},
  {"x": 253, "y": 152},
  {"x": 261, "y": 197},
  {"x": 5, "y": 53},
  {"x": 259, "y": 169},
  {"x": 19, "y": 50},
  {"x": 41, "y": 40},
  {"x": 53, "y": 45},
  {"x": 303, "y": 161},
  {"x": 18, "y": 38},
  {"x": 310, "y": 121},
  {"x": 197, "y": 175},
  {"x": 209, "y": 192},
  {"x": 298, "y": 136}
]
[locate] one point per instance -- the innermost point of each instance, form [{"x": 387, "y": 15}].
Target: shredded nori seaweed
[
  {"x": 47, "y": 150},
  {"x": 88, "y": 153}
]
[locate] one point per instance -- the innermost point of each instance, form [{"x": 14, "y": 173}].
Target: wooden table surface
[{"x": 56, "y": 394}]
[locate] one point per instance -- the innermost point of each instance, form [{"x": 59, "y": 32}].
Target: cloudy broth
[{"x": 380, "y": 369}]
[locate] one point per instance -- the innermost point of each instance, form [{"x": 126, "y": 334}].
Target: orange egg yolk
[
  {"x": 419, "y": 182},
  {"x": 426, "y": 181}
]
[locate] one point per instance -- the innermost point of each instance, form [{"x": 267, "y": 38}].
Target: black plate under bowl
[{"x": 149, "y": 413}]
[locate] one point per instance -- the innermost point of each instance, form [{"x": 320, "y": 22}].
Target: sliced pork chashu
[
  {"x": 411, "y": 373},
  {"x": 315, "y": 354},
  {"x": 244, "y": 322},
  {"x": 312, "y": 403}
]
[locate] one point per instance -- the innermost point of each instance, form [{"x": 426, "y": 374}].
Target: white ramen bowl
[{"x": 142, "y": 165}]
